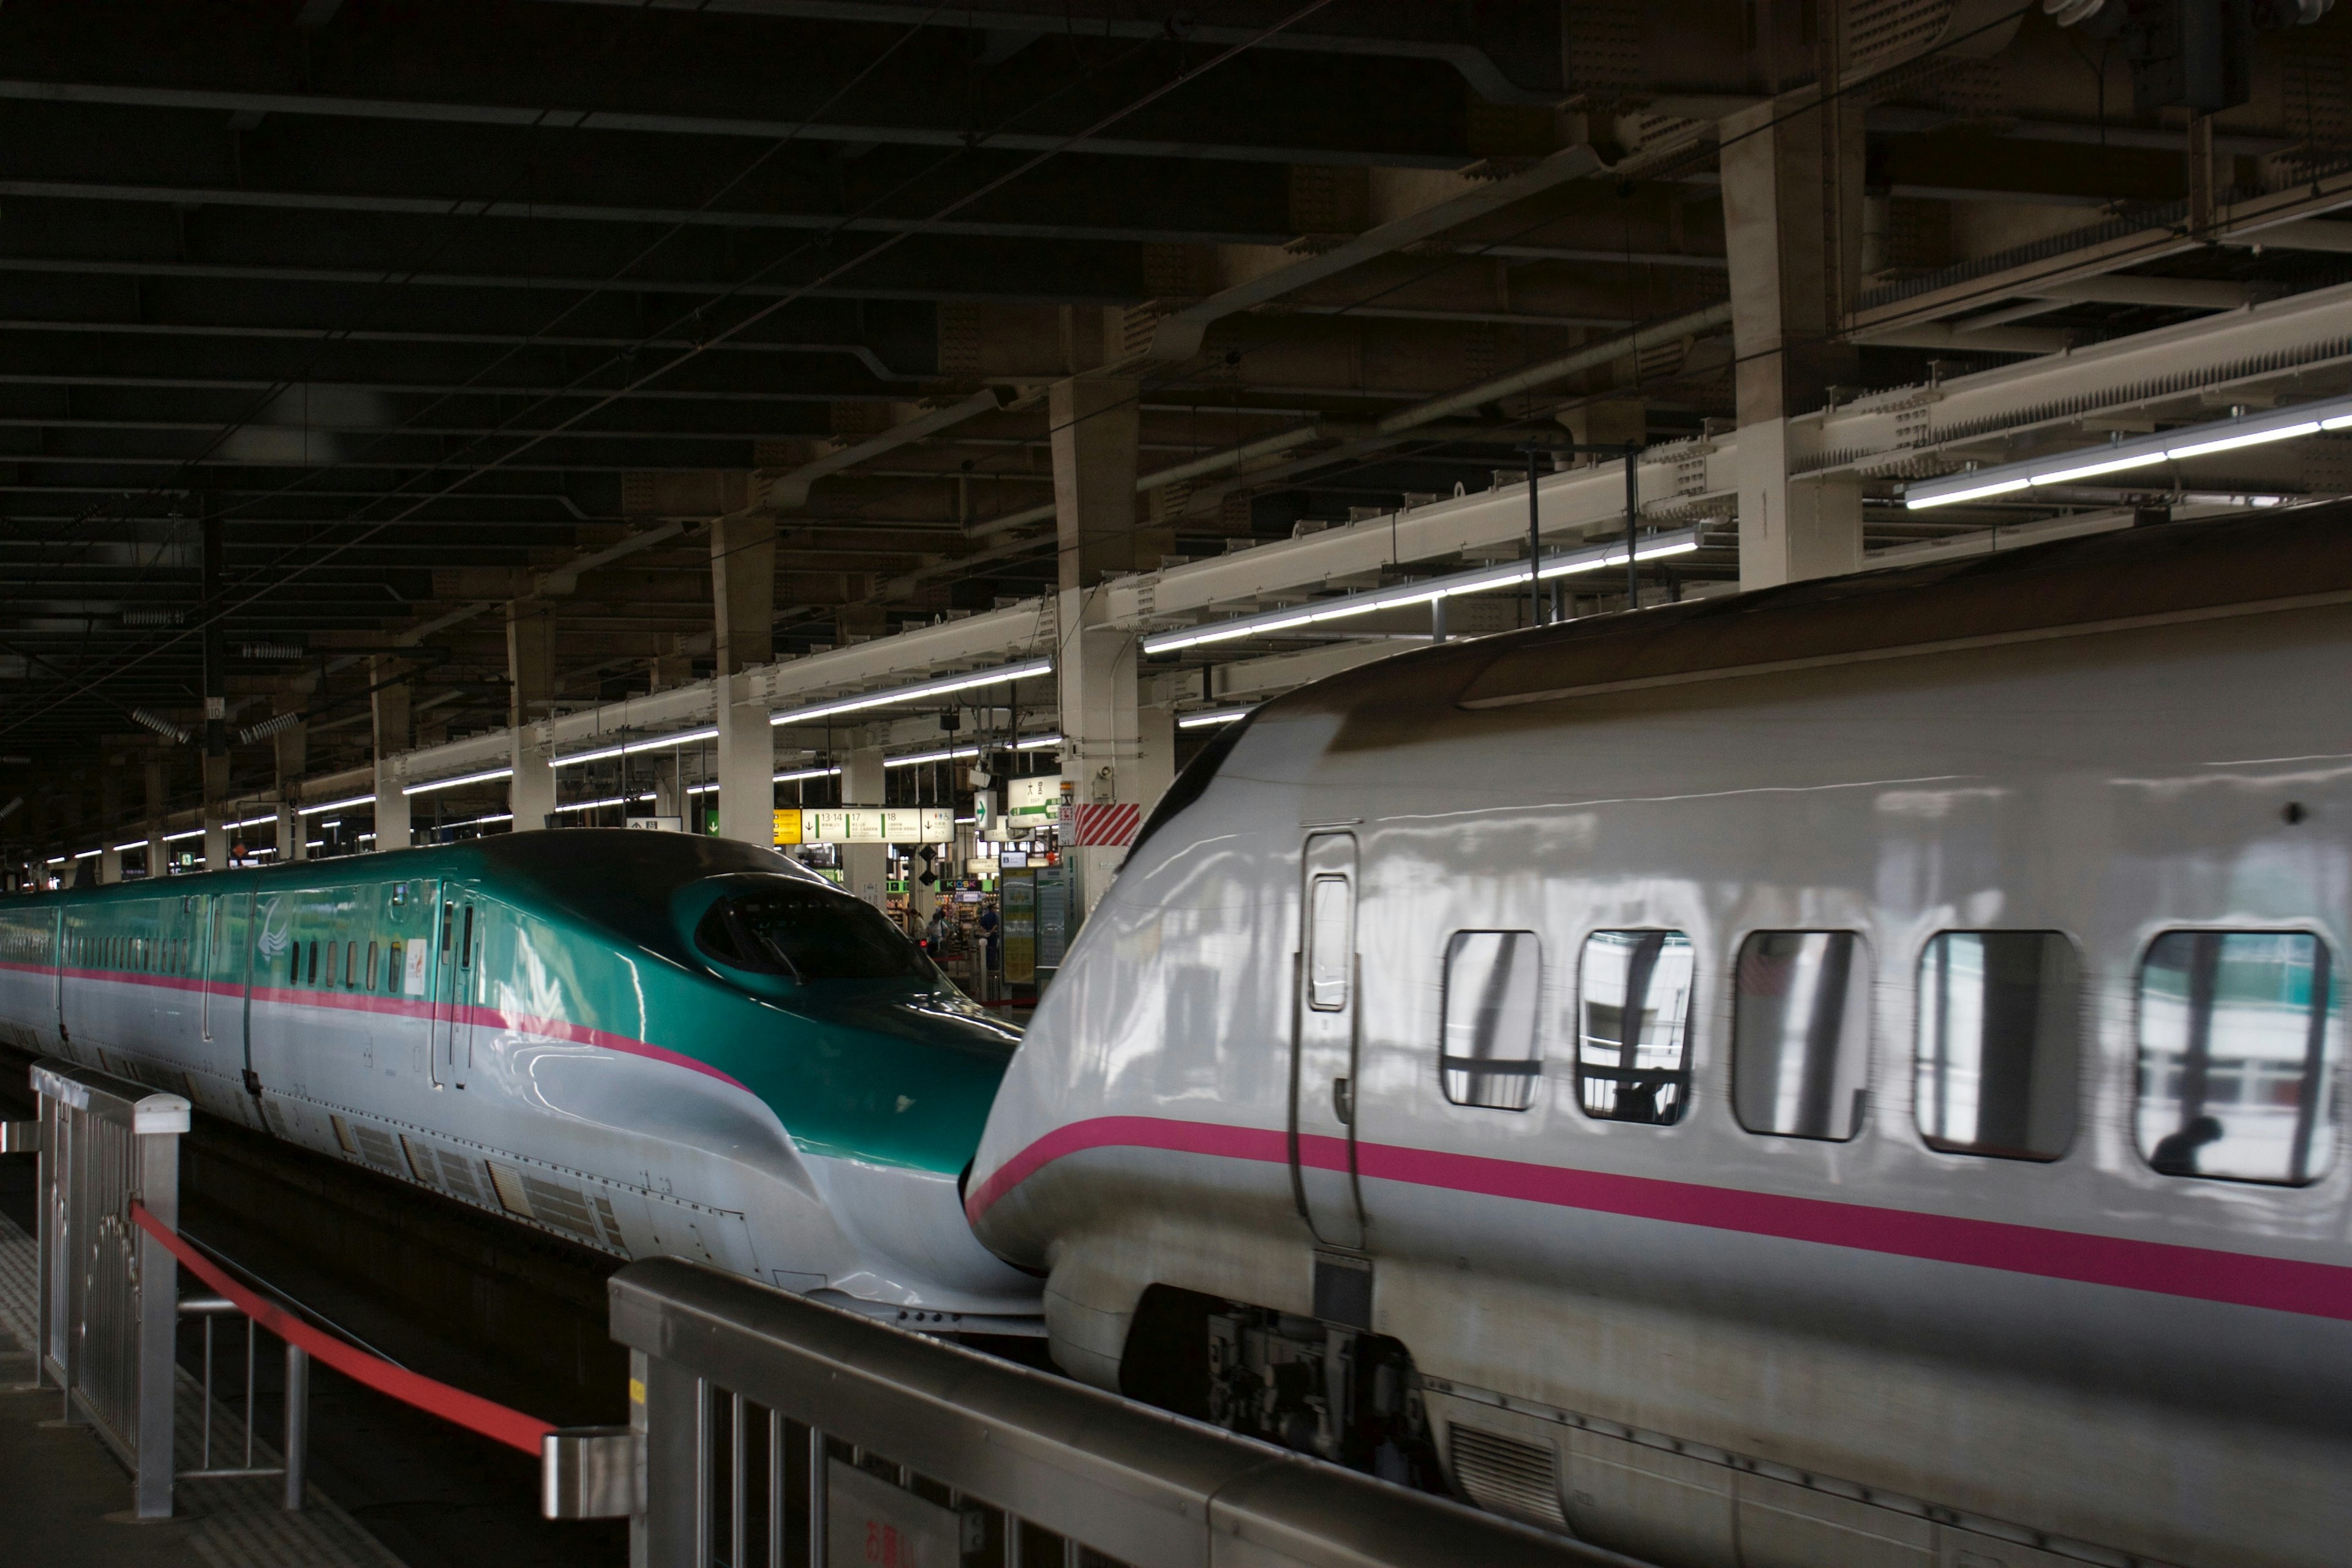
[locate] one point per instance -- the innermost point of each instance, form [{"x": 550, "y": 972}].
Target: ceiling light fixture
[
  {"x": 1480, "y": 580},
  {"x": 2121, "y": 454},
  {"x": 1024, "y": 671}
]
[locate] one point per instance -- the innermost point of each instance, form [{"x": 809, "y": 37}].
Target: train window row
[
  {"x": 345, "y": 967},
  {"x": 138, "y": 954},
  {"x": 2237, "y": 1038}
]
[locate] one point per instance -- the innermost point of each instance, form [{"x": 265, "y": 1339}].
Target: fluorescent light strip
[
  {"x": 797, "y": 774},
  {"x": 630, "y": 749},
  {"x": 176, "y": 838},
  {"x": 917, "y": 758},
  {"x": 1039, "y": 744},
  {"x": 599, "y": 804},
  {"x": 1005, "y": 672},
  {"x": 85, "y": 854},
  {"x": 486, "y": 776},
  {"x": 1213, "y": 716},
  {"x": 344, "y": 804},
  {"x": 2141, "y": 452},
  {"x": 1482, "y": 580}
]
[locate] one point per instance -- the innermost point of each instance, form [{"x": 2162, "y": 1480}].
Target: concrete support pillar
[
  {"x": 530, "y": 697},
  {"x": 389, "y": 701},
  {"x": 292, "y": 752},
  {"x": 216, "y": 812},
  {"x": 667, "y": 801},
  {"x": 1793, "y": 179},
  {"x": 1103, "y": 750},
  {"x": 865, "y": 868},
  {"x": 743, "y": 592},
  {"x": 158, "y": 856},
  {"x": 746, "y": 763},
  {"x": 1096, "y": 428},
  {"x": 110, "y": 820}
]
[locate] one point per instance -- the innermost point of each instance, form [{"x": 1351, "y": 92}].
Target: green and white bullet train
[{"x": 649, "y": 1042}]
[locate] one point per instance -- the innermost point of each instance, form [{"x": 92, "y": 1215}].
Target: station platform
[{"x": 65, "y": 1497}]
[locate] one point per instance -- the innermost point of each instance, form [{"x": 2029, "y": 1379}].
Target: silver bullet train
[
  {"x": 1850, "y": 1074},
  {"x": 651, "y": 1044}
]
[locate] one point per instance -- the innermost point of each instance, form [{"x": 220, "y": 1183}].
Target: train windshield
[{"x": 807, "y": 932}]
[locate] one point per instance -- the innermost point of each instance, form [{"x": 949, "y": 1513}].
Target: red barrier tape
[{"x": 511, "y": 1428}]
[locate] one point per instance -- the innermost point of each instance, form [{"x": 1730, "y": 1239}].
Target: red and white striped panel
[{"x": 1111, "y": 826}]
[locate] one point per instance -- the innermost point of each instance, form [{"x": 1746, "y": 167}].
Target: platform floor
[{"x": 65, "y": 1498}]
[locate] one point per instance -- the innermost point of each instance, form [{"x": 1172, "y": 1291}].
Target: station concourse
[{"x": 1551, "y": 780}]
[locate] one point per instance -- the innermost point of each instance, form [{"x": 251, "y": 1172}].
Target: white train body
[{"x": 2014, "y": 1344}]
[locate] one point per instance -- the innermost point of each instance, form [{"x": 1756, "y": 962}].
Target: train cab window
[
  {"x": 1633, "y": 1056},
  {"x": 1998, "y": 1042},
  {"x": 2239, "y": 1036},
  {"x": 1801, "y": 1034},
  {"x": 1489, "y": 1055},
  {"x": 808, "y": 933},
  {"x": 1330, "y": 943}
]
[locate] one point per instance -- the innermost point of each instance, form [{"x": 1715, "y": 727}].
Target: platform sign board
[
  {"x": 871, "y": 824},
  {"x": 1034, "y": 793},
  {"x": 870, "y": 1523},
  {"x": 1052, "y": 917},
  {"x": 1017, "y": 893},
  {"x": 659, "y": 823},
  {"x": 788, "y": 826}
]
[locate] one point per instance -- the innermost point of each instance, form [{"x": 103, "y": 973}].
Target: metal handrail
[{"x": 1128, "y": 1481}]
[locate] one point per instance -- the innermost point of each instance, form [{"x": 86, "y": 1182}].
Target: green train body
[{"x": 651, "y": 1043}]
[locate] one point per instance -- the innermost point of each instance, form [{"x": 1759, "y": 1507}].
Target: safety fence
[
  {"x": 776, "y": 1431},
  {"x": 110, "y": 1313}
]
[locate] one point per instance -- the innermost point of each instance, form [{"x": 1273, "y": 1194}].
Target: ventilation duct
[{"x": 155, "y": 617}]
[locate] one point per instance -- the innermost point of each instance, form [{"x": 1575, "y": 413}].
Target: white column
[
  {"x": 390, "y": 706},
  {"x": 747, "y": 762},
  {"x": 530, "y": 794},
  {"x": 1793, "y": 237},
  {"x": 290, "y": 846},
  {"x": 865, "y": 868},
  {"x": 1102, "y": 744},
  {"x": 109, "y": 863},
  {"x": 391, "y": 808}
]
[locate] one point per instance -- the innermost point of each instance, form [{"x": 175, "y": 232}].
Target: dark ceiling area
[{"x": 328, "y": 332}]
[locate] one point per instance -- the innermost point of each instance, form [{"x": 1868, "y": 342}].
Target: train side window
[
  {"x": 2239, "y": 1036},
  {"x": 350, "y": 965},
  {"x": 371, "y": 968},
  {"x": 314, "y": 960},
  {"x": 1489, "y": 1054},
  {"x": 330, "y": 966},
  {"x": 1801, "y": 1034},
  {"x": 1632, "y": 1055},
  {"x": 466, "y": 946},
  {"x": 1330, "y": 942},
  {"x": 1998, "y": 1042}
]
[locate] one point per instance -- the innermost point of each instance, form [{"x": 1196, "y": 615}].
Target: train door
[
  {"x": 454, "y": 972},
  {"x": 1325, "y": 1028}
]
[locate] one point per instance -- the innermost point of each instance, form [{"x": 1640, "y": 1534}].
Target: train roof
[
  {"x": 2148, "y": 577},
  {"x": 619, "y": 879}
]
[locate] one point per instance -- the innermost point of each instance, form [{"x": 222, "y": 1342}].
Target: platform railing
[
  {"x": 109, "y": 1295},
  {"x": 772, "y": 1430}
]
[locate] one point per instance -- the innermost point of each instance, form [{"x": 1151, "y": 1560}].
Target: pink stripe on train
[{"x": 2198, "y": 1273}]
